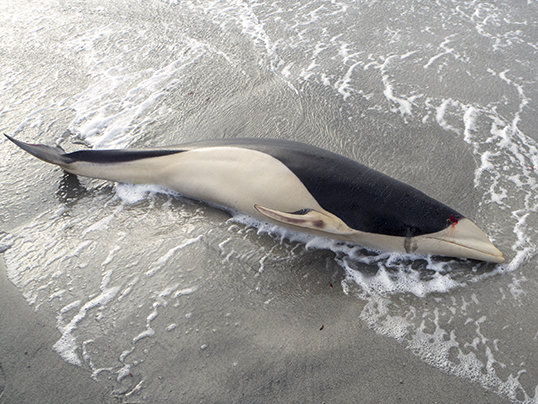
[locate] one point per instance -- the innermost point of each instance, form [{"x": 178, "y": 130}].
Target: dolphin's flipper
[{"x": 309, "y": 219}]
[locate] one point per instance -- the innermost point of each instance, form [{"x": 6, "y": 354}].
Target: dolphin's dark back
[
  {"x": 117, "y": 156},
  {"x": 363, "y": 198}
]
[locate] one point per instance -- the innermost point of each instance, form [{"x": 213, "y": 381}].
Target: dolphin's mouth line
[{"x": 466, "y": 247}]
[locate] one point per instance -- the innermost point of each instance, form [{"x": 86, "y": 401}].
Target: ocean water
[{"x": 441, "y": 95}]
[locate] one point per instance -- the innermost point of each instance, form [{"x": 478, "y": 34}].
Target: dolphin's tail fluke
[{"x": 50, "y": 154}]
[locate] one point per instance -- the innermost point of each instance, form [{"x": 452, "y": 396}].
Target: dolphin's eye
[{"x": 301, "y": 212}]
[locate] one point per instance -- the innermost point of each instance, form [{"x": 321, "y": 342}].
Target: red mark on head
[{"x": 452, "y": 220}]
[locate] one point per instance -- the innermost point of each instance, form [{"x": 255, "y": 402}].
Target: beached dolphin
[{"x": 293, "y": 185}]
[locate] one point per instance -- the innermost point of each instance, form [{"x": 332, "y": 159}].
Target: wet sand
[
  {"x": 30, "y": 371},
  {"x": 360, "y": 367}
]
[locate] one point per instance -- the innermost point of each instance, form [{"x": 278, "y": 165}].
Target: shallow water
[{"x": 440, "y": 96}]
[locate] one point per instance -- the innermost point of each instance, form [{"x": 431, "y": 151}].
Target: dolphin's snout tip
[{"x": 464, "y": 239}]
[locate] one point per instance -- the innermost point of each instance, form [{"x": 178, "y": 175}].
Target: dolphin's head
[{"x": 463, "y": 239}]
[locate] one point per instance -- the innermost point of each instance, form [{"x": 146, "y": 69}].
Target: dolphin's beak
[{"x": 462, "y": 239}]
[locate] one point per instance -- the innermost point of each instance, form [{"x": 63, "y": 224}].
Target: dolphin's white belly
[
  {"x": 237, "y": 178},
  {"x": 233, "y": 177}
]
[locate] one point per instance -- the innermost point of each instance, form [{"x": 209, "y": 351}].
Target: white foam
[
  {"x": 128, "y": 288},
  {"x": 343, "y": 86},
  {"x": 57, "y": 295},
  {"x": 122, "y": 100},
  {"x": 405, "y": 104},
  {"x": 171, "y": 327},
  {"x": 131, "y": 193},
  {"x": 67, "y": 346},
  {"x": 405, "y": 107},
  {"x": 505, "y": 147},
  {"x": 160, "y": 301},
  {"x": 169, "y": 254},
  {"x": 6, "y": 242},
  {"x": 101, "y": 224},
  {"x": 123, "y": 373},
  {"x": 185, "y": 292},
  {"x": 445, "y": 51}
]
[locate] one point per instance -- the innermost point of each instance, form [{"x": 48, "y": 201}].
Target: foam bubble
[
  {"x": 169, "y": 254},
  {"x": 131, "y": 193},
  {"x": 67, "y": 346}
]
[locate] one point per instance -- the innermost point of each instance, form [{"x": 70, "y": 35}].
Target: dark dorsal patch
[
  {"x": 117, "y": 156},
  {"x": 363, "y": 198}
]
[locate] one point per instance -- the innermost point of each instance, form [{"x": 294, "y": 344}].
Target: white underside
[
  {"x": 242, "y": 178},
  {"x": 234, "y": 177}
]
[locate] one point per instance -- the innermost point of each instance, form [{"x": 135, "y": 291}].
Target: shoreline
[
  {"x": 379, "y": 370},
  {"x": 30, "y": 371}
]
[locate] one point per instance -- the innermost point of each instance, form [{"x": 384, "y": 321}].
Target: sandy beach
[
  {"x": 366, "y": 369},
  {"x": 31, "y": 372}
]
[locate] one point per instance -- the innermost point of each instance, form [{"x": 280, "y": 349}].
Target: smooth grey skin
[{"x": 294, "y": 185}]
